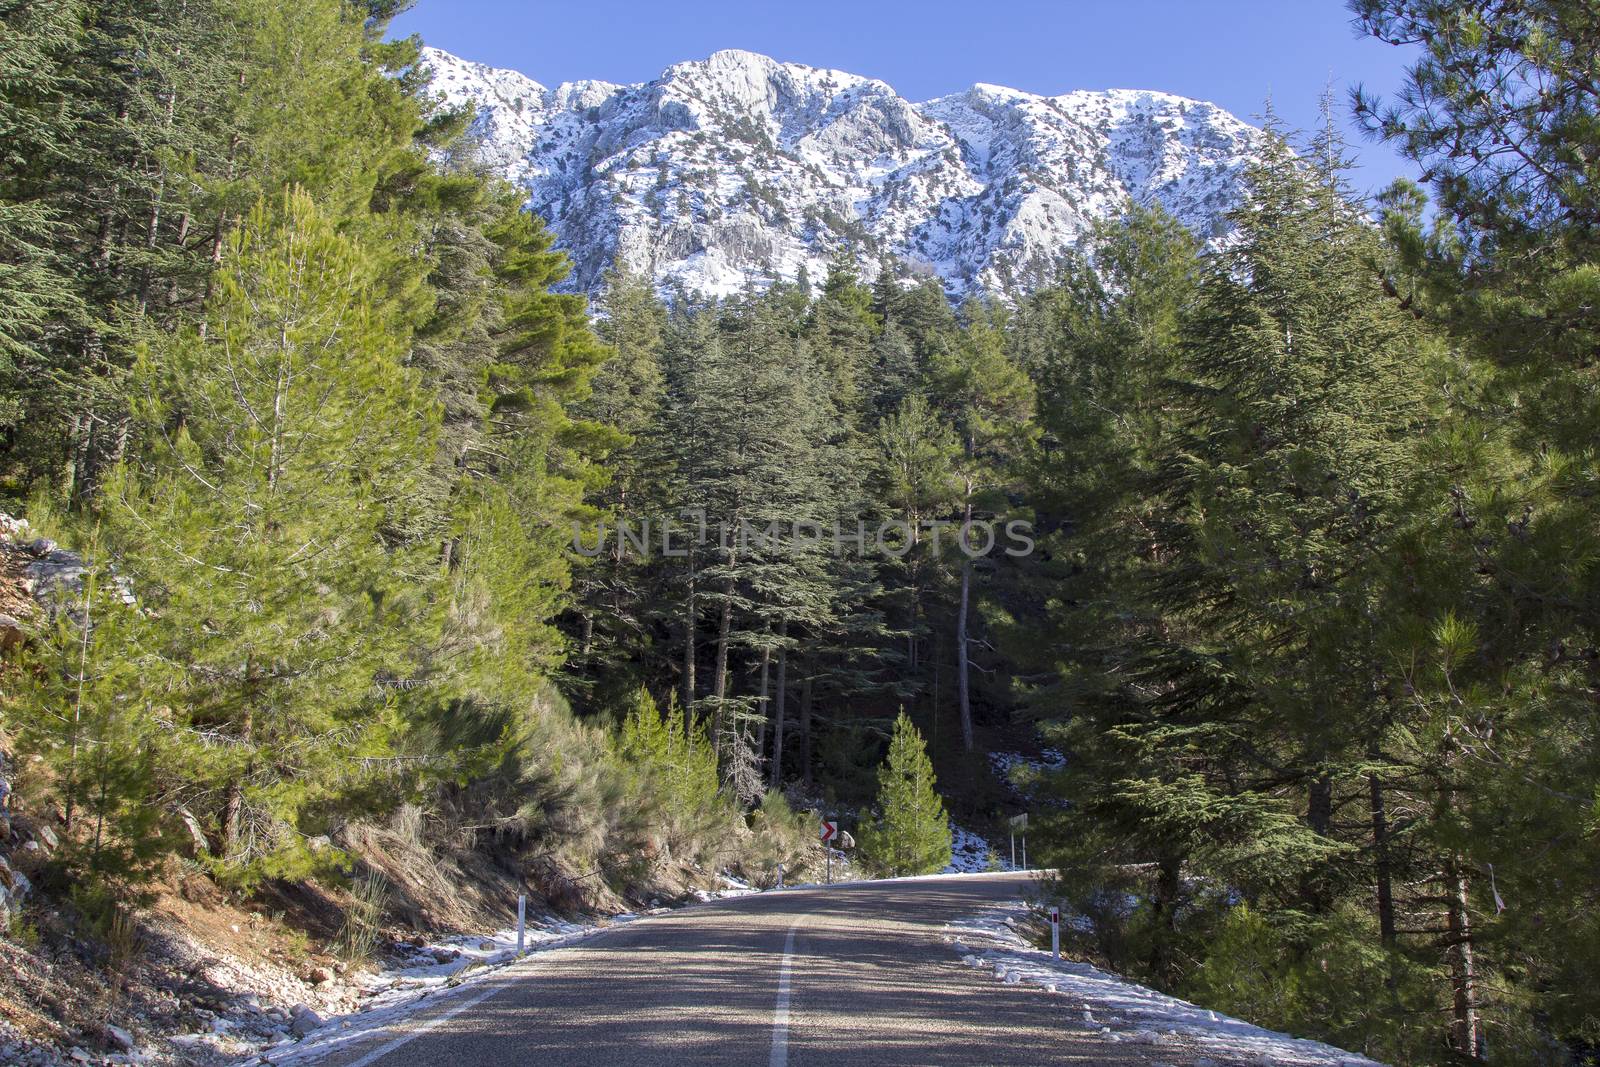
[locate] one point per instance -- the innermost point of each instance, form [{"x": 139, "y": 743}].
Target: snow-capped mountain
[{"x": 739, "y": 169}]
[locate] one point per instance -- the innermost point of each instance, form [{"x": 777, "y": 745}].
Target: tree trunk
[
  {"x": 75, "y": 435},
  {"x": 1319, "y": 805},
  {"x": 1381, "y": 868},
  {"x": 233, "y": 805},
  {"x": 805, "y": 727},
  {"x": 1466, "y": 1034},
  {"x": 776, "y": 776},
  {"x": 962, "y": 681},
  {"x": 1164, "y": 906},
  {"x": 766, "y": 707},
  {"x": 1319, "y": 816},
  {"x": 719, "y": 680},
  {"x": 688, "y": 649}
]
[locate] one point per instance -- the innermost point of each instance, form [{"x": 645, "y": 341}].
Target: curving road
[{"x": 843, "y": 976}]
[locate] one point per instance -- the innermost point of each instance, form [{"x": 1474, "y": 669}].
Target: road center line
[{"x": 780, "y": 1013}]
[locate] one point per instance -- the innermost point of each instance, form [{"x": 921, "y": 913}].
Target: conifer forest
[{"x": 336, "y": 514}]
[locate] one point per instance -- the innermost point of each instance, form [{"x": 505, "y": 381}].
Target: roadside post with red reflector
[{"x": 830, "y": 830}]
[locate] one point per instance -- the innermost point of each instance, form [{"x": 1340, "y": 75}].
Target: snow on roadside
[
  {"x": 1123, "y": 1011},
  {"x": 416, "y": 978},
  {"x": 425, "y": 971},
  {"x": 731, "y": 886}
]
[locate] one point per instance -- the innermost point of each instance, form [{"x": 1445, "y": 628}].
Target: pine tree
[
  {"x": 627, "y": 397},
  {"x": 1490, "y": 729},
  {"x": 80, "y": 702},
  {"x": 989, "y": 401},
  {"x": 34, "y": 270},
  {"x": 1233, "y": 516},
  {"x": 279, "y": 448},
  {"x": 917, "y": 482},
  {"x": 911, "y": 833}
]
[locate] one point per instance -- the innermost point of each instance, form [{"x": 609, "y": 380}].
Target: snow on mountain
[{"x": 739, "y": 169}]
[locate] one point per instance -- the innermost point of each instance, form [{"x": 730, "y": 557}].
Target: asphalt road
[{"x": 842, "y": 976}]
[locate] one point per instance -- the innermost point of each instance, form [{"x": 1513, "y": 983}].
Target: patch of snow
[
  {"x": 969, "y": 853},
  {"x": 729, "y": 886},
  {"x": 1125, "y": 1012},
  {"x": 1023, "y": 773}
]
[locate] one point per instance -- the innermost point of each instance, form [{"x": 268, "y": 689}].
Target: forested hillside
[{"x": 1289, "y": 548}]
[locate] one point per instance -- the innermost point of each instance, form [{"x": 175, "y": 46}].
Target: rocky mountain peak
[{"x": 739, "y": 169}]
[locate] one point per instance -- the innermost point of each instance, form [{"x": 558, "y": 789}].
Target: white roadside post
[
  {"x": 1055, "y": 933},
  {"x": 522, "y": 920},
  {"x": 780, "y": 876}
]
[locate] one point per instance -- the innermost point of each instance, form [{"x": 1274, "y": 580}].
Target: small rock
[
  {"x": 486, "y": 946},
  {"x": 47, "y": 837},
  {"x": 40, "y": 547},
  {"x": 319, "y": 975},
  {"x": 305, "y": 1021},
  {"x": 118, "y": 1038},
  {"x": 78, "y": 1055}
]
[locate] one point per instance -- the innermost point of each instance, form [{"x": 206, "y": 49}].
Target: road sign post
[
  {"x": 830, "y": 830},
  {"x": 1019, "y": 825},
  {"x": 1055, "y": 933},
  {"x": 522, "y": 920}
]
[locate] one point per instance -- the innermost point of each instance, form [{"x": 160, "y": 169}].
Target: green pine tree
[
  {"x": 911, "y": 833},
  {"x": 279, "y": 451}
]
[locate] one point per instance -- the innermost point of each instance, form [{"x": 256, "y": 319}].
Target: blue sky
[{"x": 1232, "y": 52}]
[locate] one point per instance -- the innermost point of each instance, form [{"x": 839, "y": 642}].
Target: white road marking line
[
  {"x": 780, "y": 1013},
  {"x": 405, "y": 1039}
]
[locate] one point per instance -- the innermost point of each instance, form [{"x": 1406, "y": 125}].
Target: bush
[
  {"x": 369, "y": 896},
  {"x": 782, "y": 835}
]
